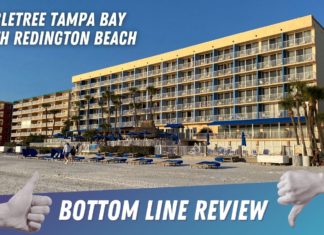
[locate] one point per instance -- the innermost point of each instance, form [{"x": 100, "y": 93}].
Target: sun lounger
[
  {"x": 78, "y": 159},
  {"x": 207, "y": 165},
  {"x": 97, "y": 158},
  {"x": 140, "y": 161},
  {"x": 219, "y": 159},
  {"x": 116, "y": 160},
  {"x": 29, "y": 153},
  {"x": 171, "y": 163}
]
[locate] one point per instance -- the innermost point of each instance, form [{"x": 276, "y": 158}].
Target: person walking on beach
[
  {"x": 73, "y": 153},
  {"x": 66, "y": 152}
]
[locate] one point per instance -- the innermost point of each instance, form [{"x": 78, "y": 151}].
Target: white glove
[
  {"x": 298, "y": 188},
  {"x": 24, "y": 211}
]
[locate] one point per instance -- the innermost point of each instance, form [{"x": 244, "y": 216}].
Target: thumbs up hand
[
  {"x": 25, "y": 211},
  {"x": 298, "y": 188}
]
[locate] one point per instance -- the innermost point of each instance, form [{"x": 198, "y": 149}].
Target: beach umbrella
[{"x": 243, "y": 139}]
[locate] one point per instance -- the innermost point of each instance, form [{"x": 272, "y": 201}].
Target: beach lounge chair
[
  {"x": 207, "y": 165},
  {"x": 29, "y": 153},
  {"x": 219, "y": 159},
  {"x": 78, "y": 159},
  {"x": 171, "y": 163},
  {"x": 140, "y": 161},
  {"x": 116, "y": 160},
  {"x": 97, "y": 158}
]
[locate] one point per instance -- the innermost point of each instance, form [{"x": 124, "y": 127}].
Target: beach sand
[{"x": 55, "y": 176}]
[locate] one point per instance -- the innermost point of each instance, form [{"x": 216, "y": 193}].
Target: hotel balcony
[
  {"x": 186, "y": 79},
  {"x": 271, "y": 97},
  {"x": 170, "y": 69},
  {"x": 223, "y": 87},
  {"x": 186, "y": 92},
  {"x": 270, "y": 64},
  {"x": 246, "y": 99},
  {"x": 207, "y": 118},
  {"x": 168, "y": 108},
  {"x": 141, "y": 75},
  {"x": 244, "y": 84},
  {"x": 168, "y": 95},
  {"x": 270, "y": 80},
  {"x": 221, "y": 102},
  {"x": 185, "y": 106},
  {"x": 204, "y": 104},
  {"x": 299, "y": 59},
  {"x": 203, "y": 76},
  {"x": 246, "y": 68},
  {"x": 223, "y": 57},
  {"x": 205, "y": 61},
  {"x": 298, "y": 41},
  {"x": 271, "y": 47},
  {"x": 223, "y": 72},
  {"x": 204, "y": 89},
  {"x": 247, "y": 52},
  {"x": 185, "y": 65},
  {"x": 245, "y": 116},
  {"x": 300, "y": 77},
  {"x": 169, "y": 82},
  {"x": 154, "y": 72}
]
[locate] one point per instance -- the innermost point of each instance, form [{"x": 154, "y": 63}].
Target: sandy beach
[{"x": 57, "y": 177}]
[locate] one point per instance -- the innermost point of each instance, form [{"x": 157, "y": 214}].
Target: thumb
[
  {"x": 31, "y": 183},
  {"x": 295, "y": 210}
]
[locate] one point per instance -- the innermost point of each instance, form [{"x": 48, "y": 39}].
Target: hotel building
[
  {"x": 5, "y": 122},
  {"x": 29, "y": 115},
  {"x": 228, "y": 85}
]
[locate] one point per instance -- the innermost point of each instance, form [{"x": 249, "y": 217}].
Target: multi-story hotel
[
  {"x": 29, "y": 115},
  {"x": 232, "y": 84},
  {"x": 5, "y": 122}
]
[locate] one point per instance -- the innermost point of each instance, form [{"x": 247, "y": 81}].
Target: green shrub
[{"x": 142, "y": 150}]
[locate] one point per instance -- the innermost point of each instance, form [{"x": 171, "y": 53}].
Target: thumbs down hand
[
  {"x": 298, "y": 188},
  {"x": 25, "y": 211}
]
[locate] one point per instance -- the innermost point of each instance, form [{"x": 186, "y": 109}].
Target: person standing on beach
[
  {"x": 66, "y": 152},
  {"x": 73, "y": 152}
]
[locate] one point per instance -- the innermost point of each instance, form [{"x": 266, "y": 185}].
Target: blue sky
[{"x": 162, "y": 26}]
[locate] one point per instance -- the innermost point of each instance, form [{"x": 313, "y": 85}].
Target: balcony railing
[
  {"x": 271, "y": 97},
  {"x": 203, "y": 75},
  {"x": 300, "y": 76},
  {"x": 246, "y": 68},
  {"x": 186, "y": 92},
  {"x": 222, "y": 87},
  {"x": 223, "y": 72},
  {"x": 185, "y": 79},
  {"x": 204, "y": 61},
  {"x": 298, "y": 41},
  {"x": 227, "y": 101},
  {"x": 270, "y": 80},
  {"x": 247, "y": 83},
  {"x": 185, "y": 65},
  {"x": 204, "y": 89},
  {"x": 203, "y": 104},
  {"x": 271, "y": 47},
  {"x": 223, "y": 57},
  {"x": 299, "y": 58},
  {"x": 270, "y": 63},
  {"x": 246, "y": 99},
  {"x": 247, "y": 52}
]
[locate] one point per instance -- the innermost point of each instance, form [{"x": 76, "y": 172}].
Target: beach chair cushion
[
  {"x": 219, "y": 159},
  {"x": 209, "y": 163}
]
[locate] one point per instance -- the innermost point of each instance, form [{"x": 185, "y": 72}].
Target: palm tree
[
  {"x": 108, "y": 96},
  {"x": 76, "y": 120},
  {"x": 46, "y": 106},
  {"x": 297, "y": 93},
  {"x": 101, "y": 104},
  {"x": 134, "y": 91},
  {"x": 54, "y": 112},
  {"x": 116, "y": 99},
  {"x": 313, "y": 95},
  {"x": 288, "y": 104},
  {"x": 151, "y": 91},
  {"x": 88, "y": 99}
]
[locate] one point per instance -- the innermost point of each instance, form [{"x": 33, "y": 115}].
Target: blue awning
[
  {"x": 174, "y": 125},
  {"x": 255, "y": 121}
]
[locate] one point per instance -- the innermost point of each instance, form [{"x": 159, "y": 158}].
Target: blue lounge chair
[
  {"x": 171, "y": 163},
  {"x": 29, "y": 153},
  {"x": 141, "y": 161},
  {"x": 219, "y": 159},
  {"x": 207, "y": 165},
  {"x": 97, "y": 158}
]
